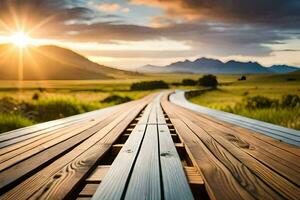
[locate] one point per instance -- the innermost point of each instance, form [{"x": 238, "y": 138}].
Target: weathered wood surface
[
  {"x": 54, "y": 159},
  {"x": 236, "y": 163},
  {"x": 53, "y": 166},
  {"x": 148, "y": 166}
]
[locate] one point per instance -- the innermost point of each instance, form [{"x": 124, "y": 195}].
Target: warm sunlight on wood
[{"x": 20, "y": 39}]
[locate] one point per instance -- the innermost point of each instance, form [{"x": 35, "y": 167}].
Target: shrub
[
  {"x": 243, "y": 78},
  {"x": 116, "y": 99},
  {"x": 8, "y": 105},
  {"x": 245, "y": 93},
  {"x": 188, "y": 82},
  {"x": 35, "y": 96},
  {"x": 10, "y": 122},
  {"x": 259, "y": 102},
  {"x": 208, "y": 81},
  {"x": 290, "y": 101},
  {"x": 149, "y": 85},
  {"x": 176, "y": 83}
]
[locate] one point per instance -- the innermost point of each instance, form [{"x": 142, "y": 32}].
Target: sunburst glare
[{"x": 20, "y": 39}]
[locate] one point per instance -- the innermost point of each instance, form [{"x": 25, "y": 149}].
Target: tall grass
[
  {"x": 16, "y": 113},
  {"x": 50, "y": 109},
  {"x": 283, "y": 111},
  {"x": 12, "y": 121},
  {"x": 283, "y": 116}
]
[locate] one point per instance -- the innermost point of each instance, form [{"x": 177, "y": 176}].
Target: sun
[{"x": 20, "y": 39}]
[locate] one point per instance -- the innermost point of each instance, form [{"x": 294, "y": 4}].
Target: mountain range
[
  {"x": 51, "y": 63},
  {"x": 214, "y": 66}
]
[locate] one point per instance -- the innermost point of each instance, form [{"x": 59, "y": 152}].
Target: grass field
[
  {"x": 228, "y": 96},
  {"x": 21, "y": 104},
  {"x": 29, "y": 102}
]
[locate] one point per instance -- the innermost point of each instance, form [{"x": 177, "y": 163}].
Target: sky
[{"x": 132, "y": 33}]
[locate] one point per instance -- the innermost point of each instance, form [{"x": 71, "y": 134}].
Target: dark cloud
[
  {"x": 288, "y": 50},
  {"x": 220, "y": 27},
  {"x": 31, "y": 13},
  {"x": 281, "y": 13},
  {"x": 204, "y": 37}
]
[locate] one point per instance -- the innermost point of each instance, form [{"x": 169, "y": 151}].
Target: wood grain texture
[
  {"x": 58, "y": 123},
  {"x": 12, "y": 174},
  {"x": 78, "y": 170},
  {"x": 145, "y": 176},
  {"x": 174, "y": 181},
  {"x": 193, "y": 175},
  {"x": 33, "y": 183},
  {"x": 175, "y": 184},
  {"x": 285, "y": 166},
  {"x": 257, "y": 155},
  {"x": 261, "y": 171},
  {"x": 98, "y": 174},
  {"x": 114, "y": 183},
  {"x": 12, "y": 158}
]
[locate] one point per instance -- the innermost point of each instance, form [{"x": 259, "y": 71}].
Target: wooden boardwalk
[
  {"x": 146, "y": 149},
  {"x": 278, "y": 132}
]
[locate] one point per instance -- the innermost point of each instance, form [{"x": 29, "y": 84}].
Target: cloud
[
  {"x": 109, "y": 7},
  {"x": 227, "y": 27},
  {"x": 112, "y": 7},
  {"x": 125, "y": 10},
  {"x": 265, "y": 12},
  {"x": 15, "y": 14}
]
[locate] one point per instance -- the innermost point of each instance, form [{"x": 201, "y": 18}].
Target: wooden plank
[
  {"x": 26, "y": 133},
  {"x": 272, "y": 179},
  {"x": 265, "y": 138},
  {"x": 175, "y": 185},
  {"x": 193, "y": 175},
  {"x": 64, "y": 182},
  {"x": 16, "y": 172},
  {"x": 88, "y": 190},
  {"x": 114, "y": 182},
  {"x": 288, "y": 135},
  {"x": 219, "y": 182},
  {"x": 286, "y": 168},
  {"x": 145, "y": 176},
  {"x": 116, "y": 148},
  {"x": 98, "y": 174},
  {"x": 83, "y": 154},
  {"x": 59, "y": 122},
  {"x": 83, "y": 198},
  {"x": 34, "y": 148},
  {"x": 28, "y": 136},
  {"x": 269, "y": 144},
  {"x": 26, "y": 143},
  {"x": 246, "y": 169}
]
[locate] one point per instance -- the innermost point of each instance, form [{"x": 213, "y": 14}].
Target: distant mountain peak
[{"x": 215, "y": 66}]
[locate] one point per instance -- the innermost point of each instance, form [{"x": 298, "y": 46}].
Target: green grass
[
  {"x": 12, "y": 121},
  {"x": 284, "y": 117},
  {"x": 20, "y": 110},
  {"x": 61, "y": 98},
  {"x": 227, "y": 96}
]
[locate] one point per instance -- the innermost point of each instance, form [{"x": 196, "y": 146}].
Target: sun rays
[{"x": 20, "y": 39}]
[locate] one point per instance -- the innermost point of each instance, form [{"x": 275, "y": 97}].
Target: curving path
[{"x": 287, "y": 135}]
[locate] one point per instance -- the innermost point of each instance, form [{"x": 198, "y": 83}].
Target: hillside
[
  {"x": 52, "y": 63},
  {"x": 214, "y": 66}
]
